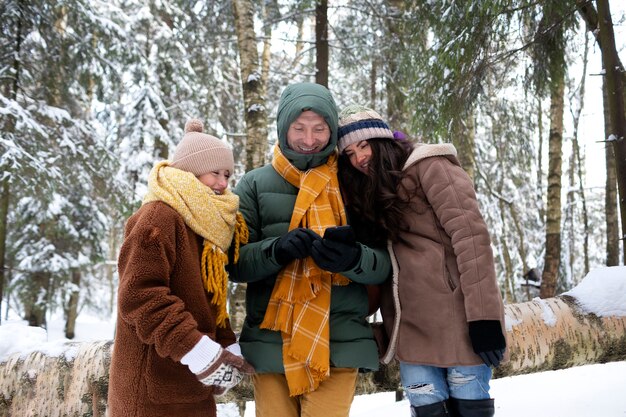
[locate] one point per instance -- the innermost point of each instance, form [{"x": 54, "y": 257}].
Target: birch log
[
  {"x": 554, "y": 333},
  {"x": 541, "y": 334},
  {"x": 73, "y": 383}
]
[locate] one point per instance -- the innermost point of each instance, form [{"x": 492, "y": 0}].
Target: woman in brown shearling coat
[
  {"x": 442, "y": 311},
  {"x": 174, "y": 348}
]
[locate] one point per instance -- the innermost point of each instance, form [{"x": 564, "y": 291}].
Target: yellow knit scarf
[
  {"x": 214, "y": 217},
  {"x": 300, "y": 302}
]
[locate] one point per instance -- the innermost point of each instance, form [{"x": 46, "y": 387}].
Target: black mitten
[
  {"x": 296, "y": 244},
  {"x": 335, "y": 256},
  {"x": 488, "y": 341}
]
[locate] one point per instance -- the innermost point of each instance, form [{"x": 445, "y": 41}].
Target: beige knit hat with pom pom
[{"x": 200, "y": 153}]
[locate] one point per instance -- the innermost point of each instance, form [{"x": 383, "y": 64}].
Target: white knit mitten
[{"x": 215, "y": 366}]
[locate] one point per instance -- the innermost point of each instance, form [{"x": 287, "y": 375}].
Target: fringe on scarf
[{"x": 214, "y": 275}]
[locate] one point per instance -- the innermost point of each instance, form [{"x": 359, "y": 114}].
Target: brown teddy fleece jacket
[{"x": 163, "y": 311}]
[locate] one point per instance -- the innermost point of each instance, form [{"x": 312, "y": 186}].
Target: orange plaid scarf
[{"x": 300, "y": 303}]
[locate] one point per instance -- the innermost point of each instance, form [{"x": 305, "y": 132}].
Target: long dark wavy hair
[{"x": 374, "y": 207}]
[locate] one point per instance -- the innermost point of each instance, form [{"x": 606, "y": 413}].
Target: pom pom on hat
[
  {"x": 357, "y": 123},
  {"x": 194, "y": 125},
  {"x": 200, "y": 153}
]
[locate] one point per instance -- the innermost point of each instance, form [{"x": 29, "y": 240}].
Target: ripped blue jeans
[{"x": 428, "y": 384}]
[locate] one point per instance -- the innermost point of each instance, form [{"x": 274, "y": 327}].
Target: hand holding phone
[
  {"x": 340, "y": 234},
  {"x": 338, "y": 251}
]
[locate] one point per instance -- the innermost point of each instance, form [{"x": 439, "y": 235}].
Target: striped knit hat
[
  {"x": 200, "y": 153},
  {"x": 357, "y": 123}
]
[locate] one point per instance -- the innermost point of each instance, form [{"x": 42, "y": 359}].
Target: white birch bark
[{"x": 72, "y": 383}]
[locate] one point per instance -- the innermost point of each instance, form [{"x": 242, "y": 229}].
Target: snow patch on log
[
  {"x": 602, "y": 292},
  {"x": 510, "y": 321},
  {"x": 547, "y": 314}
]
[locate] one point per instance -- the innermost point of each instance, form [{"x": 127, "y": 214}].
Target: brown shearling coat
[
  {"x": 163, "y": 310},
  {"x": 445, "y": 276}
]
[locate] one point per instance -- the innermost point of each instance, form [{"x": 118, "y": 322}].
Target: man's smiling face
[{"x": 308, "y": 134}]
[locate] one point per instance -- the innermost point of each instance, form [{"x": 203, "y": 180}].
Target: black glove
[
  {"x": 343, "y": 234},
  {"x": 335, "y": 256},
  {"x": 296, "y": 244},
  {"x": 488, "y": 341}
]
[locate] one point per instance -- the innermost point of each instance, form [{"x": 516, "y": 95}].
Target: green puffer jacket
[{"x": 266, "y": 202}]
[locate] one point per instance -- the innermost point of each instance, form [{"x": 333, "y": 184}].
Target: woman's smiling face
[{"x": 359, "y": 155}]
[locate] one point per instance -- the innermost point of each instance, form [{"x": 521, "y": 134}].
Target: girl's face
[
  {"x": 359, "y": 155},
  {"x": 216, "y": 180}
]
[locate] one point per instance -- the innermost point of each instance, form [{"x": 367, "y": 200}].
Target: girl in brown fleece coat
[
  {"x": 174, "y": 348},
  {"x": 442, "y": 310}
]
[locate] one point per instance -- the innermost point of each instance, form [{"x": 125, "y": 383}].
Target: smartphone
[{"x": 340, "y": 233}]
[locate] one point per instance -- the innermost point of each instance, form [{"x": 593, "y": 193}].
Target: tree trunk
[
  {"x": 36, "y": 299},
  {"x": 576, "y": 169},
  {"x": 8, "y": 127},
  {"x": 589, "y": 14},
  {"x": 72, "y": 305},
  {"x": 373, "y": 80},
  {"x": 111, "y": 262},
  {"x": 161, "y": 148},
  {"x": 321, "y": 42},
  {"x": 615, "y": 90},
  {"x": 254, "y": 102},
  {"x": 570, "y": 218},
  {"x": 541, "y": 335},
  {"x": 542, "y": 208},
  {"x": 464, "y": 139},
  {"x": 266, "y": 55},
  {"x": 610, "y": 197},
  {"x": 522, "y": 243},
  {"x": 397, "y": 116},
  {"x": 583, "y": 201},
  {"x": 553, "y": 214},
  {"x": 237, "y": 306},
  {"x": 300, "y": 44},
  {"x": 509, "y": 295},
  {"x": 4, "y": 217}
]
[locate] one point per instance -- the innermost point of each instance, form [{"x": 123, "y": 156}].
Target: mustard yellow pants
[{"x": 331, "y": 399}]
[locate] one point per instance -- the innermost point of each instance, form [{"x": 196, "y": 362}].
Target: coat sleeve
[
  {"x": 256, "y": 259},
  {"x": 450, "y": 192},
  {"x": 374, "y": 266},
  {"x": 145, "y": 302}
]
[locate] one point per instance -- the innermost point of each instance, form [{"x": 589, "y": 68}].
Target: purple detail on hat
[{"x": 399, "y": 135}]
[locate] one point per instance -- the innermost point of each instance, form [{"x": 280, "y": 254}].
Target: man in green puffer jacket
[{"x": 306, "y": 298}]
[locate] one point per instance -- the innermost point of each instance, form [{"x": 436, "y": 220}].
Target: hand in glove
[
  {"x": 336, "y": 255},
  {"x": 225, "y": 371},
  {"x": 215, "y": 366},
  {"x": 296, "y": 244},
  {"x": 488, "y": 341}
]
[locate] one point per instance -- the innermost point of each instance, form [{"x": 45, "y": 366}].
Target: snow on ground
[
  {"x": 17, "y": 337},
  {"x": 584, "y": 391}
]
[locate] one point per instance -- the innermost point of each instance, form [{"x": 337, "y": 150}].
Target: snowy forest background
[{"x": 92, "y": 93}]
